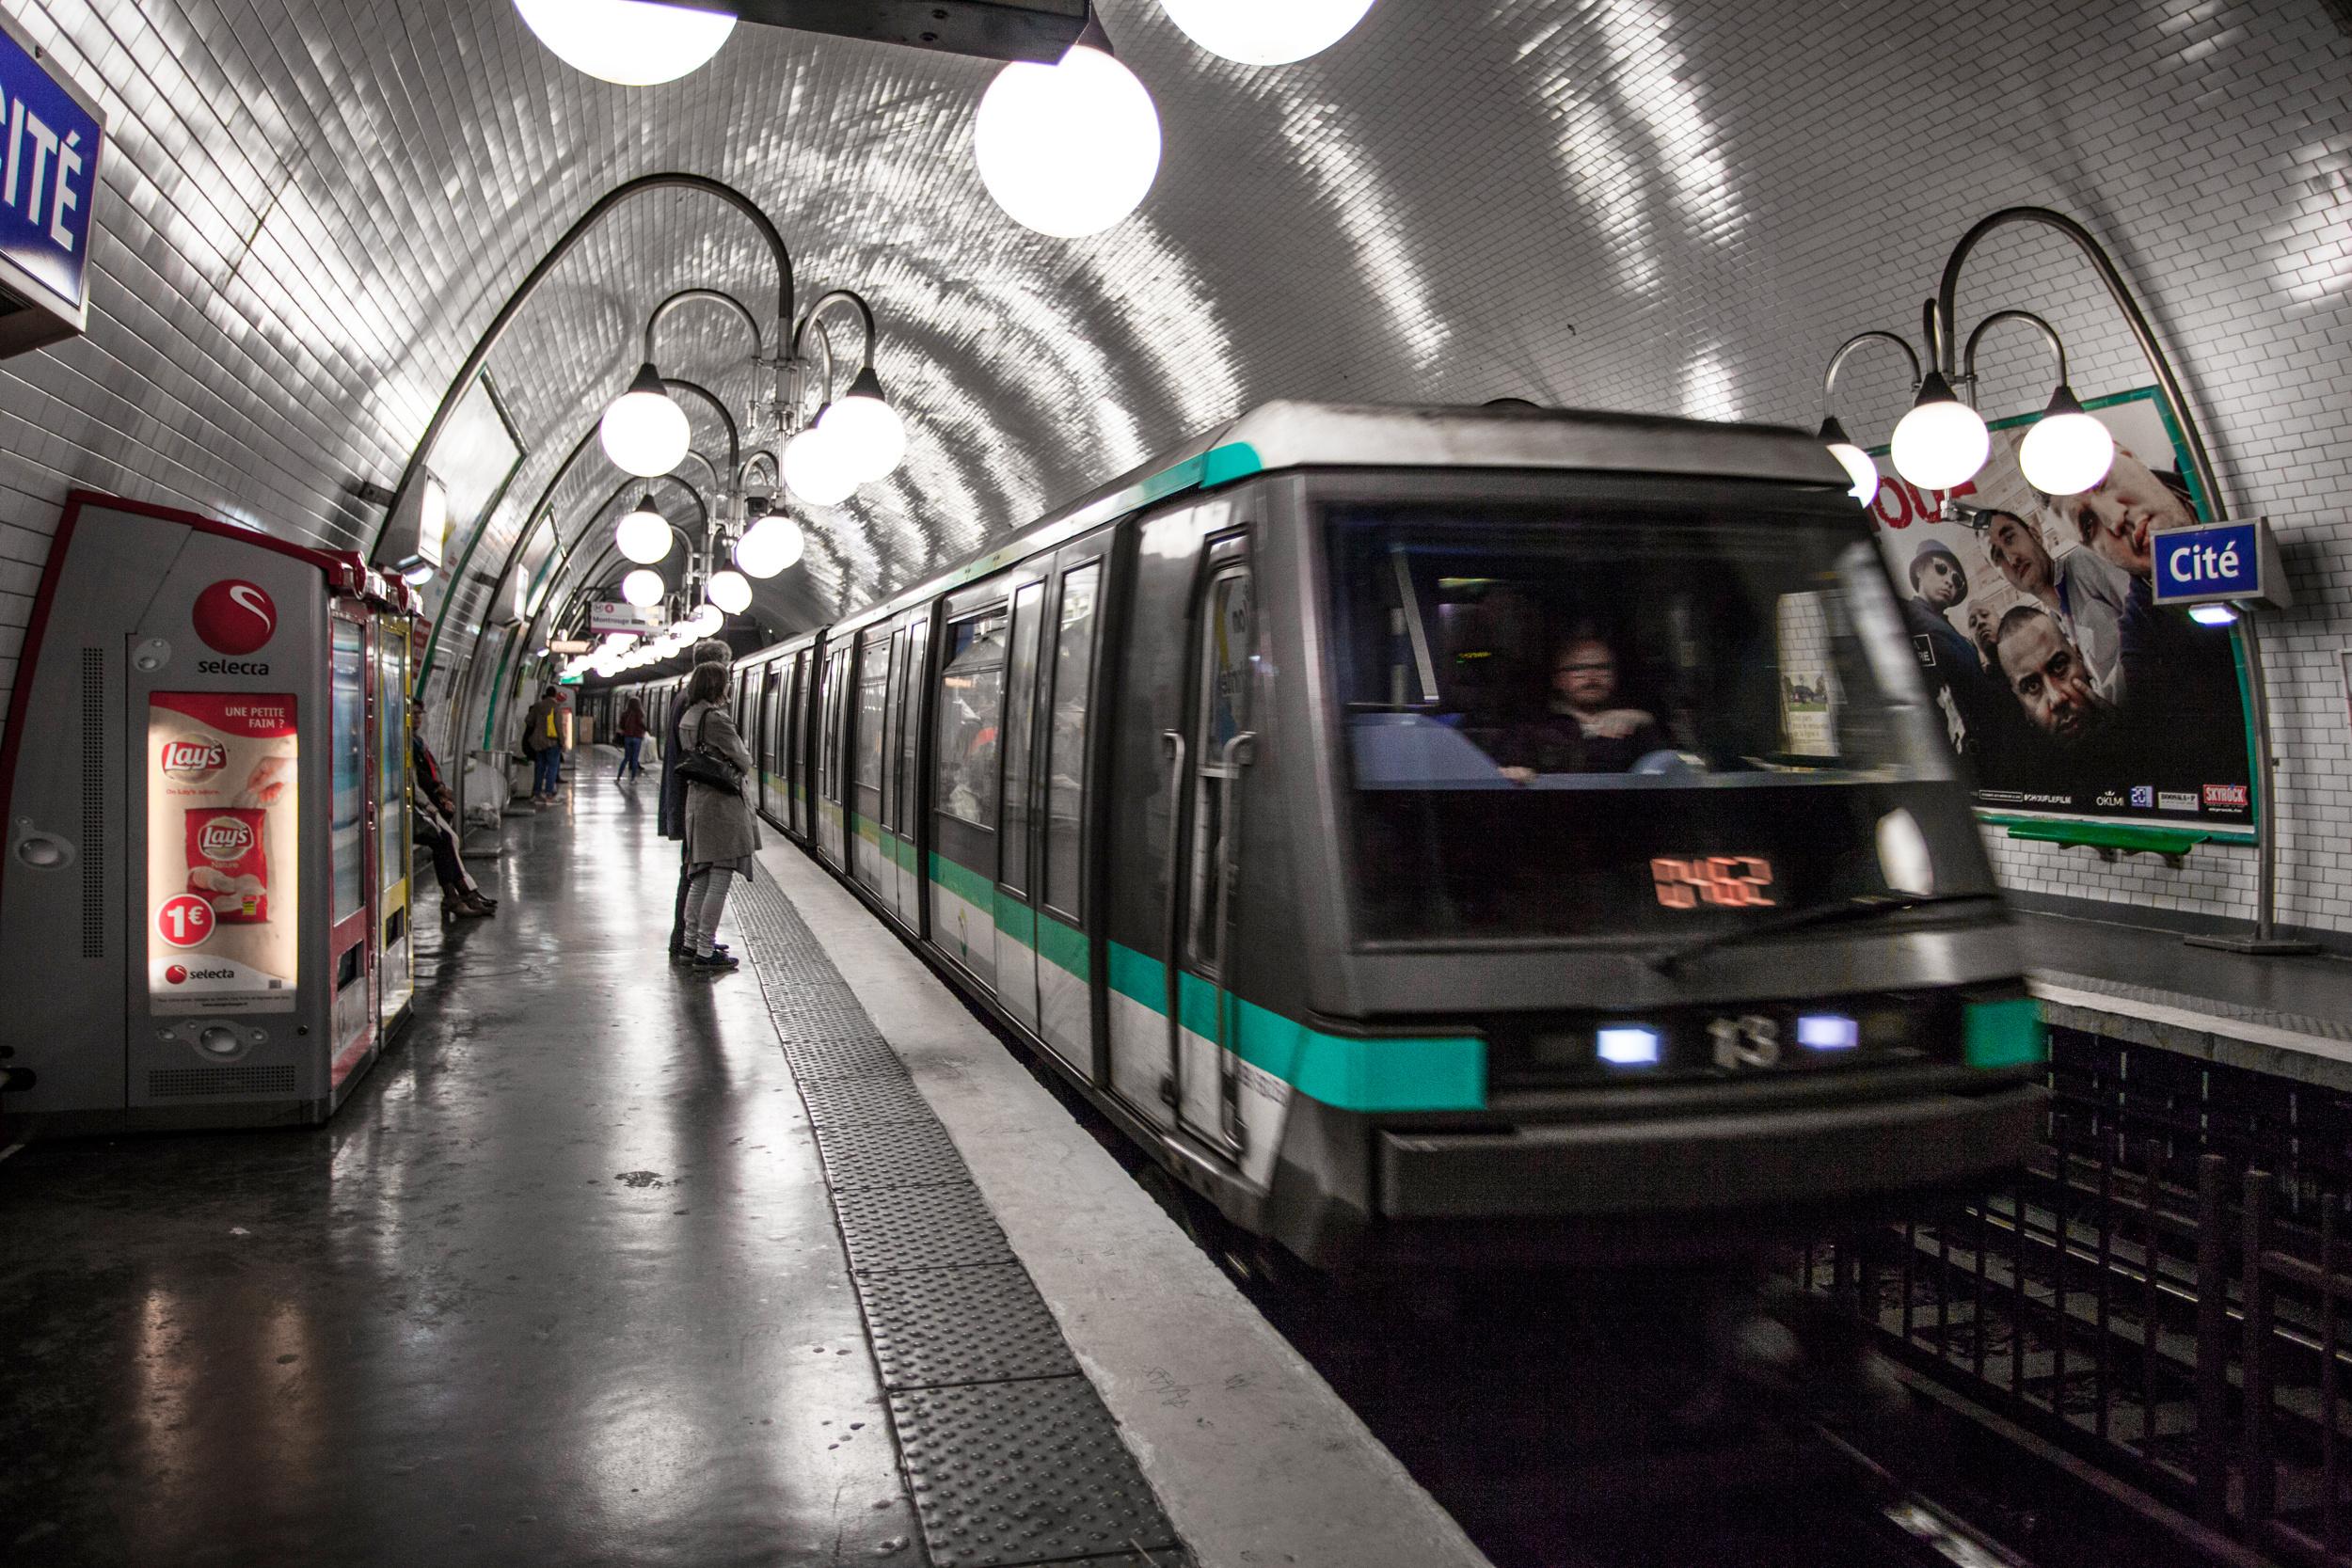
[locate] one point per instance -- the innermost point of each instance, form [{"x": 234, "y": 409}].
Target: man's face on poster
[
  {"x": 2052, "y": 683},
  {"x": 1941, "y": 583},
  {"x": 2118, "y": 516},
  {"x": 2016, "y": 549}
]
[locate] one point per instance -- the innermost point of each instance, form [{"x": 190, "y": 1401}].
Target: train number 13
[{"x": 1726, "y": 881}]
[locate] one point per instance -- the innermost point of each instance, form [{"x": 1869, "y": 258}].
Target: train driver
[{"x": 1583, "y": 729}]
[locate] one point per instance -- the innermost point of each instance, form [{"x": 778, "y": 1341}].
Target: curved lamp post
[{"x": 1856, "y": 462}]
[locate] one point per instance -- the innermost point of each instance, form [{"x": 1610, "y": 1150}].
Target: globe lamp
[
  {"x": 773, "y": 545},
  {"x": 1857, "y": 464},
  {"x": 642, "y": 587},
  {"x": 731, "y": 590},
  {"x": 815, "y": 467},
  {"x": 1265, "y": 32},
  {"x": 868, "y": 432},
  {"x": 645, "y": 432},
  {"x": 706, "y": 619},
  {"x": 643, "y": 535},
  {"x": 2067, "y": 452},
  {"x": 635, "y": 43},
  {"x": 1942, "y": 443},
  {"x": 1071, "y": 149}
]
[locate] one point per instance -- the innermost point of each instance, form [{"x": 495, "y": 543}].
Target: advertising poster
[
  {"x": 2063, "y": 684},
  {"x": 221, "y": 824}
]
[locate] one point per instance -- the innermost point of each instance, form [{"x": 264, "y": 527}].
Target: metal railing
[{"x": 2163, "y": 1291}]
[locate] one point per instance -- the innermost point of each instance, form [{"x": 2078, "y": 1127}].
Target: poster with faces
[{"x": 2065, "y": 690}]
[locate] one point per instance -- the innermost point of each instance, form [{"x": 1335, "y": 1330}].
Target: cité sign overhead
[
  {"x": 2217, "y": 562},
  {"x": 50, "y": 138}
]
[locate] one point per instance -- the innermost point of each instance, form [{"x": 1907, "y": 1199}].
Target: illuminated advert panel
[{"x": 223, "y": 893}]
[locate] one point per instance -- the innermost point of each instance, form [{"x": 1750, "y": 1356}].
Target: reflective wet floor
[{"x": 559, "y": 1283}]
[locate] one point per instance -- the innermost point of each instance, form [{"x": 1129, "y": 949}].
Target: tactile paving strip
[
  {"x": 1008, "y": 1451},
  {"x": 889, "y": 1154},
  {"x": 1021, "y": 1472},
  {"x": 918, "y": 1228},
  {"x": 933, "y": 1327}
]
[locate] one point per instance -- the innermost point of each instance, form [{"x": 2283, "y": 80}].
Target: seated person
[{"x": 1582, "y": 731}]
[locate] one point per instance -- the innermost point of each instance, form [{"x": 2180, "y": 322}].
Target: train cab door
[
  {"x": 1208, "y": 757},
  {"x": 906, "y": 708},
  {"x": 1016, "y": 871}
]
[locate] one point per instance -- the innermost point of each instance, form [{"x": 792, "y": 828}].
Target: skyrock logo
[
  {"x": 235, "y": 617},
  {"x": 224, "y": 838}
]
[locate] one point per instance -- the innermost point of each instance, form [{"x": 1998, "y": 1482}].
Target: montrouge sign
[{"x": 50, "y": 140}]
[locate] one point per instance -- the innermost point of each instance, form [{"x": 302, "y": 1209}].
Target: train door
[
  {"x": 772, "y": 776},
  {"x": 1016, "y": 876},
  {"x": 834, "y": 703},
  {"x": 966, "y": 732},
  {"x": 869, "y": 833},
  {"x": 1208, "y": 755},
  {"x": 796, "y": 745},
  {"x": 906, "y": 783},
  {"x": 1041, "y": 901}
]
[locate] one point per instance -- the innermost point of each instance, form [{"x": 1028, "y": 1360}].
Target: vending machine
[{"x": 204, "y": 898}]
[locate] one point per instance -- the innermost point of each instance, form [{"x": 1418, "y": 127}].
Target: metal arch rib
[{"x": 538, "y": 275}]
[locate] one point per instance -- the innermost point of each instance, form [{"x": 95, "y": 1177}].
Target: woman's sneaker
[{"x": 716, "y": 964}]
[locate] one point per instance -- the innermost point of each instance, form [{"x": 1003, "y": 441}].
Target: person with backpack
[
  {"x": 543, "y": 742},
  {"x": 721, "y": 835}
]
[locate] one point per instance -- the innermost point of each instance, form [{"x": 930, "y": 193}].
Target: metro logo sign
[{"x": 235, "y": 617}]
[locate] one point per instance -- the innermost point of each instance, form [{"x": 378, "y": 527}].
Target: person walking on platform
[
  {"x": 631, "y": 730},
  {"x": 672, "y": 815},
  {"x": 543, "y": 742},
  {"x": 721, "y": 833}
]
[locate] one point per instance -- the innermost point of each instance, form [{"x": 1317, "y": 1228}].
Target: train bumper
[{"x": 1776, "y": 1160}]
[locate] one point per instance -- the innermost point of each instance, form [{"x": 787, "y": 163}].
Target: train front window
[{"x": 1573, "y": 720}]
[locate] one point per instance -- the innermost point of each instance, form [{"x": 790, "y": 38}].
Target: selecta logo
[
  {"x": 224, "y": 838},
  {"x": 234, "y": 616},
  {"x": 177, "y": 974},
  {"x": 194, "y": 759}
]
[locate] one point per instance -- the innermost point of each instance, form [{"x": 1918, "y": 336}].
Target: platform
[
  {"x": 607, "y": 1263},
  {"x": 2284, "y": 1017}
]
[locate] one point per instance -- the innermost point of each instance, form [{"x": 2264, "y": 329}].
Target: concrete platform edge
[{"x": 1253, "y": 1456}]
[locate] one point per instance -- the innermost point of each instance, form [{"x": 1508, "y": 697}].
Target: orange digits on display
[{"x": 1726, "y": 881}]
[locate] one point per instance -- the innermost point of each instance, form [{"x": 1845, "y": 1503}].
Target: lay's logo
[
  {"x": 224, "y": 838},
  {"x": 194, "y": 759}
]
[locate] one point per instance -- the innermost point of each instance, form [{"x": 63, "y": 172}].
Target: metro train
[{"x": 1438, "y": 834}]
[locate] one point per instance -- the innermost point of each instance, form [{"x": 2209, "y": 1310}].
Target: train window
[
  {"x": 971, "y": 698},
  {"x": 909, "y": 722},
  {"x": 1065, "y": 763},
  {"x": 873, "y": 686},
  {"x": 829, "y": 743},
  {"x": 1540, "y": 701},
  {"x": 1224, "y": 715},
  {"x": 771, "y": 706},
  {"x": 1020, "y": 707}
]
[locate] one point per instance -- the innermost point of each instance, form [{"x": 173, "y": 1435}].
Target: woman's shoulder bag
[{"x": 706, "y": 769}]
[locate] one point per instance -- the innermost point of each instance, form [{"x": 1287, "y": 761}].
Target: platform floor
[{"x": 564, "y": 1282}]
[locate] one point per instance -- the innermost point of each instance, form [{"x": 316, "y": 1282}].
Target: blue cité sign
[
  {"x": 48, "y": 146},
  {"x": 2216, "y": 560}
]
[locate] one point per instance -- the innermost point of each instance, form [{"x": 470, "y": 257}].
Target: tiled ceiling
[{"x": 315, "y": 207}]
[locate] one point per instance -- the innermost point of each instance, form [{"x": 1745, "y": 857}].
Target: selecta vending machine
[{"x": 204, "y": 900}]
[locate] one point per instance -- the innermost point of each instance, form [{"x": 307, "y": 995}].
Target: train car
[{"x": 1443, "y": 834}]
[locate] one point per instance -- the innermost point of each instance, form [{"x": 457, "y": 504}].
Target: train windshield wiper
[{"x": 1860, "y": 907}]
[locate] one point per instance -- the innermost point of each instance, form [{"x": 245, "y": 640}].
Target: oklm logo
[
  {"x": 235, "y": 617},
  {"x": 194, "y": 759}
]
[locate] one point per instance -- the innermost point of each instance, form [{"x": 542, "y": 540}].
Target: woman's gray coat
[{"x": 718, "y": 826}]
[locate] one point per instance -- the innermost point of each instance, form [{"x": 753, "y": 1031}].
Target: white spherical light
[
  {"x": 1942, "y": 443},
  {"x": 1068, "y": 150},
  {"x": 706, "y": 619},
  {"x": 772, "y": 545},
  {"x": 642, "y": 588},
  {"x": 870, "y": 437},
  {"x": 2067, "y": 452},
  {"x": 645, "y": 432},
  {"x": 633, "y": 42},
  {"x": 731, "y": 590},
  {"x": 1859, "y": 468},
  {"x": 816, "y": 468},
  {"x": 643, "y": 535},
  {"x": 1265, "y": 32}
]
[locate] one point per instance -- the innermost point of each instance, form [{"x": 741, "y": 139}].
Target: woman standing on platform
[
  {"x": 632, "y": 732},
  {"x": 720, "y": 834}
]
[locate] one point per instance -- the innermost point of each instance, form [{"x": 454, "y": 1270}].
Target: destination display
[
  {"x": 222, "y": 814},
  {"x": 2064, "y": 681}
]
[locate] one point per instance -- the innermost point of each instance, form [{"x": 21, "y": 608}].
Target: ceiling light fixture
[
  {"x": 730, "y": 590},
  {"x": 643, "y": 535},
  {"x": 1071, "y": 149},
  {"x": 1265, "y": 32},
  {"x": 1942, "y": 443},
  {"x": 646, "y": 433},
  {"x": 642, "y": 588},
  {"x": 771, "y": 547},
  {"x": 634, "y": 43},
  {"x": 816, "y": 468},
  {"x": 870, "y": 436}
]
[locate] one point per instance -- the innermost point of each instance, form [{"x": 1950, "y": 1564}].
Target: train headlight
[
  {"x": 1828, "y": 1032},
  {"x": 1627, "y": 1044}
]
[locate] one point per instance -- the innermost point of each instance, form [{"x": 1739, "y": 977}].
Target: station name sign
[
  {"x": 2210, "y": 562},
  {"x": 50, "y": 141}
]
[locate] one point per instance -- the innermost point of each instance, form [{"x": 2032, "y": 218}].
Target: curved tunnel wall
[{"x": 311, "y": 209}]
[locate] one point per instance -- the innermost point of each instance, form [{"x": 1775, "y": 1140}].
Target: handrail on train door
[{"x": 1235, "y": 755}]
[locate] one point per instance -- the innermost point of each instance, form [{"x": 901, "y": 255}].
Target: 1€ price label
[{"x": 184, "y": 919}]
